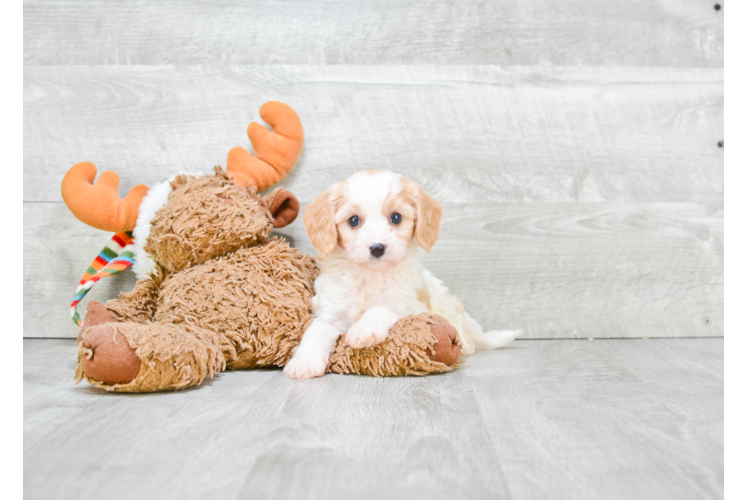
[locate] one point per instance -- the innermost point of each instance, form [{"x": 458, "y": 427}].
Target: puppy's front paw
[
  {"x": 366, "y": 333},
  {"x": 305, "y": 366}
]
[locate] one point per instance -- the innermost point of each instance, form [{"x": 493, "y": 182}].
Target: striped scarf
[{"x": 112, "y": 260}]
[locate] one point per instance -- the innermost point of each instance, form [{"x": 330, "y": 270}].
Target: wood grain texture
[
  {"x": 539, "y": 419},
  {"x": 606, "y": 419},
  {"x": 519, "y": 134},
  {"x": 514, "y": 32},
  {"x": 561, "y": 270},
  {"x": 65, "y": 248},
  {"x": 395, "y": 438}
]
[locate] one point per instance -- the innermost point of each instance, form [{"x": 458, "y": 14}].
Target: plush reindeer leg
[
  {"x": 136, "y": 357},
  {"x": 416, "y": 345},
  {"x": 139, "y": 305},
  {"x": 96, "y": 314}
]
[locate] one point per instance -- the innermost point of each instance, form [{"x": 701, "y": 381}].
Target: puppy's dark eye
[
  {"x": 396, "y": 218},
  {"x": 353, "y": 221}
]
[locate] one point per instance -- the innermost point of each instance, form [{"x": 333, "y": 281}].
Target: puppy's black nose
[{"x": 377, "y": 250}]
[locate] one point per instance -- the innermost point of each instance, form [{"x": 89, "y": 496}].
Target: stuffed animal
[{"x": 217, "y": 291}]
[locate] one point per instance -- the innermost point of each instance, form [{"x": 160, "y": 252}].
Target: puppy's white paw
[
  {"x": 366, "y": 333},
  {"x": 305, "y": 366}
]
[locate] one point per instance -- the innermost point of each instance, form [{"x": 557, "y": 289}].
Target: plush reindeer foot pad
[
  {"x": 105, "y": 356},
  {"x": 96, "y": 314},
  {"x": 136, "y": 357},
  {"x": 446, "y": 350}
]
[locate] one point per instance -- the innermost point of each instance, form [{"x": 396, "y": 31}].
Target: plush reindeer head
[{"x": 190, "y": 219}]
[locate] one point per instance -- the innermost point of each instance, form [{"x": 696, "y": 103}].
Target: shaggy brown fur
[
  {"x": 409, "y": 349},
  {"x": 224, "y": 294},
  {"x": 171, "y": 357},
  {"x": 206, "y": 217}
]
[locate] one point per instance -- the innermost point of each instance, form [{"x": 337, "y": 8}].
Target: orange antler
[
  {"x": 99, "y": 205},
  {"x": 276, "y": 152}
]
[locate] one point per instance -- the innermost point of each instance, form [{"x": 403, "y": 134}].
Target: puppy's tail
[{"x": 497, "y": 338}]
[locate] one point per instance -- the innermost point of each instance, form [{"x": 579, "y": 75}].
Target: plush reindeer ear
[
  {"x": 284, "y": 207},
  {"x": 428, "y": 218},
  {"x": 319, "y": 220}
]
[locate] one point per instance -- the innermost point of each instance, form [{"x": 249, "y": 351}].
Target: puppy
[{"x": 367, "y": 230}]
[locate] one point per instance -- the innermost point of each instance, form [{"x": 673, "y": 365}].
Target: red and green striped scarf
[{"x": 117, "y": 256}]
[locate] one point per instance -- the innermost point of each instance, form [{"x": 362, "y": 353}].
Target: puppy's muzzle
[{"x": 377, "y": 250}]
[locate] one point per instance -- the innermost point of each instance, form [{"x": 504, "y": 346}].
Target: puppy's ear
[
  {"x": 428, "y": 218},
  {"x": 319, "y": 220}
]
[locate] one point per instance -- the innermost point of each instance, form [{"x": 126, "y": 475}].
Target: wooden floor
[{"x": 541, "y": 419}]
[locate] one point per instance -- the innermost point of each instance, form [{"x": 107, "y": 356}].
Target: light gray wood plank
[
  {"x": 360, "y": 437},
  {"x": 486, "y": 133},
  {"x": 64, "y": 248},
  {"x": 587, "y": 270},
  {"x": 539, "y": 419},
  {"x": 605, "y": 419},
  {"x": 48, "y": 401},
  {"x": 605, "y": 33},
  {"x": 680, "y": 386},
  {"x": 558, "y": 270},
  {"x": 265, "y": 436},
  {"x": 142, "y": 446}
]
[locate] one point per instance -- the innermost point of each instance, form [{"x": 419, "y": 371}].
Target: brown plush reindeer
[{"x": 217, "y": 290}]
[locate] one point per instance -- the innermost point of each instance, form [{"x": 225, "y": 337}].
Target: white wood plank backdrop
[
  {"x": 560, "y": 270},
  {"x": 466, "y": 133},
  {"x": 574, "y": 145},
  {"x": 508, "y": 32}
]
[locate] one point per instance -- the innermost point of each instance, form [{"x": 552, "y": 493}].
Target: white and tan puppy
[{"x": 367, "y": 230}]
